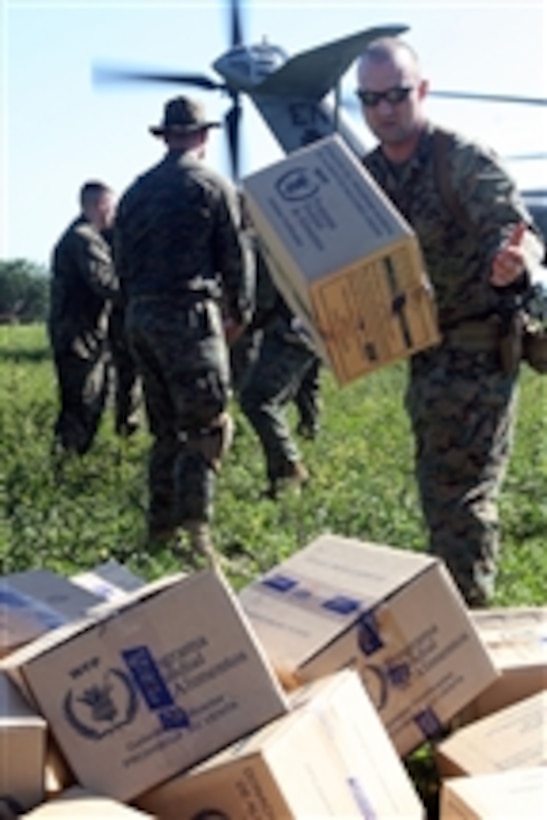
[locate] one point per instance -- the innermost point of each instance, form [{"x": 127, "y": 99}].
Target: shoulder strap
[{"x": 443, "y": 142}]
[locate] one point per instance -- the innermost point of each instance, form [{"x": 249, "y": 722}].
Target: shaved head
[{"x": 390, "y": 49}]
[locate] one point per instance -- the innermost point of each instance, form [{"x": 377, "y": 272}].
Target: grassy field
[
  {"x": 362, "y": 485},
  {"x": 362, "y": 481}
]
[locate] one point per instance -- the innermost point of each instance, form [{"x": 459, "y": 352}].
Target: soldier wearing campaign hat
[{"x": 180, "y": 252}]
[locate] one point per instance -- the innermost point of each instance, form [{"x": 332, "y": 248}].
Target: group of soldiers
[
  {"x": 98, "y": 361},
  {"x": 191, "y": 283}
]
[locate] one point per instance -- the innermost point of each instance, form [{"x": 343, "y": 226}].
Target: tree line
[{"x": 24, "y": 292}]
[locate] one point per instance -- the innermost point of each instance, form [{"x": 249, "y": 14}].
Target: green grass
[{"x": 362, "y": 481}]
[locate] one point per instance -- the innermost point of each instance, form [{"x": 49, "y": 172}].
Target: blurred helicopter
[
  {"x": 289, "y": 92},
  {"x": 292, "y": 94}
]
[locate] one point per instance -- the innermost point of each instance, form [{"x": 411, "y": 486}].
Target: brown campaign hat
[{"x": 183, "y": 115}]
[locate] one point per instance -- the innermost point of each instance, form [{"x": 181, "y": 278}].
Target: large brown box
[
  {"x": 346, "y": 261},
  {"x": 513, "y": 738},
  {"x": 147, "y": 687},
  {"x": 394, "y": 614},
  {"x": 36, "y": 600},
  {"x": 329, "y": 757},
  {"x": 516, "y": 638},
  {"x": 78, "y": 804},
  {"x": 22, "y": 749},
  {"x": 508, "y": 795}
]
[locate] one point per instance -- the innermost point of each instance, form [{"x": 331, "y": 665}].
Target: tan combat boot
[
  {"x": 297, "y": 476},
  {"x": 200, "y": 542}
]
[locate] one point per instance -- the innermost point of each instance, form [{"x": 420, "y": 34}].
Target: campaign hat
[{"x": 183, "y": 115}]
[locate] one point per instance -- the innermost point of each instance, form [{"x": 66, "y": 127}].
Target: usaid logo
[{"x": 296, "y": 185}]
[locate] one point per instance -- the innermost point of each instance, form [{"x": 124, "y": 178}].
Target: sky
[{"x": 58, "y": 129}]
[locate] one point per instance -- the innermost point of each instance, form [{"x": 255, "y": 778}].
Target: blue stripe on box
[
  {"x": 368, "y": 633},
  {"x": 281, "y": 583},
  {"x": 341, "y": 604},
  {"x": 428, "y": 722},
  {"x": 366, "y": 809},
  {"x": 153, "y": 688}
]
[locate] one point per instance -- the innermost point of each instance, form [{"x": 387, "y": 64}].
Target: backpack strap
[{"x": 443, "y": 142}]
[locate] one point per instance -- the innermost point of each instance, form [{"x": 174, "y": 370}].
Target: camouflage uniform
[
  {"x": 284, "y": 358},
  {"x": 308, "y": 401},
  {"x": 83, "y": 285},
  {"x": 178, "y": 250},
  {"x": 126, "y": 383},
  {"x": 460, "y": 397}
]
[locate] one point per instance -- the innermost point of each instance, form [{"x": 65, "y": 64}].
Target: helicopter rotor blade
[
  {"x": 104, "y": 75},
  {"x": 236, "y": 31},
  {"x": 233, "y": 133},
  {"x": 500, "y": 98},
  {"x": 532, "y": 156}
]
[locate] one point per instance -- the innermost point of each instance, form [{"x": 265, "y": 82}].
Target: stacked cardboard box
[
  {"x": 516, "y": 639},
  {"x": 329, "y": 757},
  {"x": 519, "y": 793},
  {"x": 35, "y": 601},
  {"x": 512, "y": 742},
  {"x": 137, "y": 691},
  {"x": 342, "y": 602},
  {"x": 78, "y": 804},
  {"x": 22, "y": 749},
  {"x": 165, "y": 698}
]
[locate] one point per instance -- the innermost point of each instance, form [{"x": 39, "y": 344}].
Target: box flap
[{"x": 327, "y": 586}]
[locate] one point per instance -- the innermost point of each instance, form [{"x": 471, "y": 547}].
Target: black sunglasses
[{"x": 370, "y": 99}]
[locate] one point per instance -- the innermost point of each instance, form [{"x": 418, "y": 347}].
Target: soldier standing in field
[
  {"x": 285, "y": 357},
  {"x": 462, "y": 394},
  {"x": 83, "y": 287},
  {"x": 180, "y": 253}
]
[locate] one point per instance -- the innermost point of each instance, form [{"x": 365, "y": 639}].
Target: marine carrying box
[
  {"x": 329, "y": 757},
  {"x": 141, "y": 690},
  {"x": 345, "y": 260},
  {"x": 394, "y": 614}
]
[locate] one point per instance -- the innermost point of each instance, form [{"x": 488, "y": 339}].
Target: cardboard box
[
  {"x": 78, "y": 804},
  {"x": 37, "y": 600},
  {"x": 517, "y": 794},
  {"x": 108, "y": 581},
  {"x": 512, "y": 738},
  {"x": 346, "y": 261},
  {"x": 516, "y": 638},
  {"x": 330, "y": 757},
  {"x": 341, "y": 602},
  {"x": 150, "y": 686},
  {"x": 22, "y": 749}
]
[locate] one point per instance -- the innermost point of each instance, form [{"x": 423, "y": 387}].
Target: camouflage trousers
[
  {"x": 463, "y": 410},
  {"x": 81, "y": 364},
  {"x": 182, "y": 359},
  {"x": 308, "y": 396},
  {"x": 272, "y": 382},
  {"x": 126, "y": 386}
]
